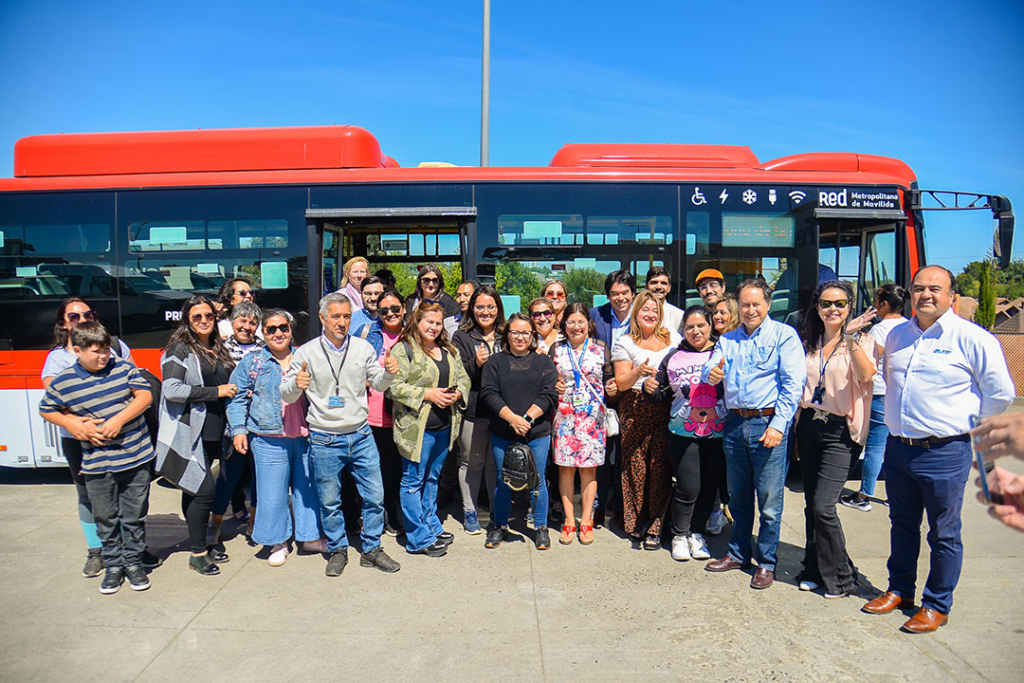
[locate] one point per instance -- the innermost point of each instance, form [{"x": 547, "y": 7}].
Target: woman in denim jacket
[{"x": 279, "y": 443}]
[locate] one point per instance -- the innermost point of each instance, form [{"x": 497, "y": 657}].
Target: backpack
[{"x": 519, "y": 470}]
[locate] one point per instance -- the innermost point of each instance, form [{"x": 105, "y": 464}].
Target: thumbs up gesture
[
  {"x": 302, "y": 379},
  {"x": 390, "y": 363},
  {"x": 717, "y": 373},
  {"x": 645, "y": 368}
]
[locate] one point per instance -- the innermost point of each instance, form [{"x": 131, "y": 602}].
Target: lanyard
[
  {"x": 824, "y": 365},
  {"x": 577, "y": 365},
  {"x": 331, "y": 365}
]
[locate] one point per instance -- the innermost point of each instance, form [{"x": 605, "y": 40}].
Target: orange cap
[{"x": 708, "y": 272}]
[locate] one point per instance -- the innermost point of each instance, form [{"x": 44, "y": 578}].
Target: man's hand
[
  {"x": 241, "y": 444},
  {"x": 1007, "y": 490},
  {"x": 771, "y": 438},
  {"x": 717, "y": 373},
  {"x": 302, "y": 378},
  {"x": 1000, "y": 435}
]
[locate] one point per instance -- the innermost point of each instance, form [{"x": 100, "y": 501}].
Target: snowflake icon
[{"x": 749, "y": 196}]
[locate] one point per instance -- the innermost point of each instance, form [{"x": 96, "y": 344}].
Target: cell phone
[
  {"x": 452, "y": 389},
  {"x": 983, "y": 467}
]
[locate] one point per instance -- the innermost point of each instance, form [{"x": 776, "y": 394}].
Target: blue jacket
[
  {"x": 259, "y": 397},
  {"x": 371, "y": 332}
]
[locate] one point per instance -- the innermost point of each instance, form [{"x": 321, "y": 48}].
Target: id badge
[
  {"x": 578, "y": 399},
  {"x": 335, "y": 402}
]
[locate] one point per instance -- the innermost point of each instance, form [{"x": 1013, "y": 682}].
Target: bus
[{"x": 137, "y": 222}]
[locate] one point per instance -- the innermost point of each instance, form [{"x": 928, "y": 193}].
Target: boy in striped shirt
[{"x": 111, "y": 395}]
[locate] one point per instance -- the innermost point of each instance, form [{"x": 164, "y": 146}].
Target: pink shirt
[
  {"x": 845, "y": 394},
  {"x": 294, "y": 419},
  {"x": 378, "y": 417}
]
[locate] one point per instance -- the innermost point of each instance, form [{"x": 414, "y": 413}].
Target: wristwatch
[
  {"x": 852, "y": 338},
  {"x": 528, "y": 419}
]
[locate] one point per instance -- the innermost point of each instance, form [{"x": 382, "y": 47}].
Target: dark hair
[
  {"x": 371, "y": 280},
  {"x": 894, "y": 295},
  {"x": 227, "y": 291},
  {"x": 518, "y": 315},
  {"x": 429, "y": 268},
  {"x": 658, "y": 271},
  {"x": 702, "y": 310},
  {"x": 814, "y": 327},
  {"x": 572, "y": 309},
  {"x": 60, "y": 335},
  {"x": 275, "y": 312},
  {"x": 89, "y": 334},
  {"x": 756, "y": 283},
  {"x": 947, "y": 271},
  {"x": 619, "y": 277},
  {"x": 472, "y": 283},
  {"x": 184, "y": 333},
  {"x": 392, "y": 292},
  {"x": 469, "y": 320},
  {"x": 387, "y": 277},
  {"x": 410, "y": 332}
]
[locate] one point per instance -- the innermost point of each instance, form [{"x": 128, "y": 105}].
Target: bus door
[
  {"x": 862, "y": 252},
  {"x": 400, "y": 240}
]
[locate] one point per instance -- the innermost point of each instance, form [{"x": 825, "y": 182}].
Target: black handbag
[{"x": 519, "y": 470}]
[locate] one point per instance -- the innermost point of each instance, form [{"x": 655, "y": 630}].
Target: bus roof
[{"x": 343, "y": 154}]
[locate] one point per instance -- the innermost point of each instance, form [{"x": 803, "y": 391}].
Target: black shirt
[
  {"x": 215, "y": 373},
  {"x": 440, "y": 418},
  {"x": 519, "y": 382}
]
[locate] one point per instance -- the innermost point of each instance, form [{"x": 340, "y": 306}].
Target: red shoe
[{"x": 568, "y": 535}]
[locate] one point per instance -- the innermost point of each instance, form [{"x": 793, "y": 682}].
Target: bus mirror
[{"x": 1002, "y": 243}]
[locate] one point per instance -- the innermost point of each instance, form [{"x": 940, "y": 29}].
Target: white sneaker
[
  {"x": 680, "y": 548},
  {"x": 716, "y": 522},
  {"x": 698, "y": 548},
  {"x": 808, "y": 586},
  {"x": 278, "y": 555}
]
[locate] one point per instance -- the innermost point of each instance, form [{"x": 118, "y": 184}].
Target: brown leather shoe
[
  {"x": 723, "y": 565},
  {"x": 886, "y": 602},
  {"x": 763, "y": 578},
  {"x": 925, "y": 620}
]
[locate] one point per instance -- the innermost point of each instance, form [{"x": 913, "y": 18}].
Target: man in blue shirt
[
  {"x": 371, "y": 289},
  {"x": 762, "y": 366}
]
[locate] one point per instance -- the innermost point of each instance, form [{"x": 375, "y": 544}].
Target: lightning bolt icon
[{"x": 724, "y": 196}]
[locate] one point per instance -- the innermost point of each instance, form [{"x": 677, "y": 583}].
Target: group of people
[{"x": 668, "y": 417}]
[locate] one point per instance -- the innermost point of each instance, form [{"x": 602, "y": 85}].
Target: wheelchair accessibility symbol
[{"x": 698, "y": 197}]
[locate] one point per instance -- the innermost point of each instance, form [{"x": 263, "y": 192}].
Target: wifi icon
[{"x": 797, "y": 196}]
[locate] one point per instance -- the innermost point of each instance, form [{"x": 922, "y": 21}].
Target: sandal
[
  {"x": 652, "y": 543},
  {"x": 586, "y": 534},
  {"x": 568, "y": 534}
]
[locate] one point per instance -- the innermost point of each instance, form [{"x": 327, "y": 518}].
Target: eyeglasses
[
  {"x": 536, "y": 315},
  {"x": 708, "y": 286},
  {"x": 274, "y": 329},
  {"x": 431, "y": 280},
  {"x": 838, "y": 303},
  {"x": 554, "y": 295},
  {"x": 244, "y": 293},
  {"x": 75, "y": 317},
  {"x": 486, "y": 309},
  {"x": 197, "y": 317},
  {"x": 390, "y": 310},
  {"x": 520, "y": 335},
  {"x": 576, "y": 323}
]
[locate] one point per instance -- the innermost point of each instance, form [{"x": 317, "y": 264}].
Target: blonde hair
[
  {"x": 734, "y": 312},
  {"x": 660, "y": 332},
  {"x": 347, "y": 268}
]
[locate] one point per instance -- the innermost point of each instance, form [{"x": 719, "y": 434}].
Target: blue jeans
[
  {"x": 418, "y": 493},
  {"x": 332, "y": 454},
  {"x": 283, "y": 463},
  {"x": 231, "y": 470},
  {"x": 874, "y": 449},
  {"x": 918, "y": 481},
  {"x": 753, "y": 470},
  {"x": 503, "y": 494}
]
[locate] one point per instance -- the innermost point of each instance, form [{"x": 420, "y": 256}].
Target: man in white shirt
[
  {"x": 660, "y": 284},
  {"x": 939, "y": 370}
]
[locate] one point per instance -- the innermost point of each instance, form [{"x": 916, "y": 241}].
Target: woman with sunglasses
[
  {"x": 278, "y": 436},
  {"x": 354, "y": 271},
  {"x": 233, "y": 292},
  {"x": 477, "y": 340},
  {"x": 196, "y": 368},
  {"x": 832, "y": 426},
  {"x": 390, "y": 316},
  {"x": 430, "y": 287},
  {"x": 71, "y": 312},
  {"x": 555, "y": 292},
  {"x": 542, "y": 314},
  {"x": 585, "y": 369},
  {"x": 518, "y": 388}
]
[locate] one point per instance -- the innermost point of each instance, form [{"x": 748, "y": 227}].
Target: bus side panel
[{"x": 29, "y": 440}]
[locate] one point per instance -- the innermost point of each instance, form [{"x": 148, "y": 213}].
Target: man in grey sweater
[{"x": 333, "y": 371}]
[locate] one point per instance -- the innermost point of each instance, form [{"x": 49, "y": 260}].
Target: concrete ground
[{"x": 599, "y": 613}]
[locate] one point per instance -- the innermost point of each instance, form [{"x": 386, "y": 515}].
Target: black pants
[
  {"x": 697, "y": 465},
  {"x": 390, "y": 472},
  {"x": 120, "y": 502},
  {"x": 827, "y": 454},
  {"x": 196, "y": 507},
  {"x": 609, "y": 477}
]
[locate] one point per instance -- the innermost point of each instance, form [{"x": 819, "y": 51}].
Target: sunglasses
[
  {"x": 389, "y": 310},
  {"x": 273, "y": 329},
  {"x": 541, "y": 314},
  {"x": 838, "y": 303},
  {"x": 75, "y": 317},
  {"x": 197, "y": 317},
  {"x": 554, "y": 295},
  {"x": 431, "y": 280},
  {"x": 244, "y": 293}
]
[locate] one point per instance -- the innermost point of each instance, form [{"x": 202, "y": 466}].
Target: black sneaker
[
  {"x": 389, "y": 528},
  {"x": 855, "y": 501},
  {"x": 112, "y": 580},
  {"x": 436, "y": 549},
  {"x": 336, "y": 562},
  {"x": 379, "y": 559},
  {"x": 137, "y": 578},
  {"x": 495, "y": 535},
  {"x": 203, "y": 565},
  {"x": 542, "y": 539},
  {"x": 93, "y": 564},
  {"x": 446, "y": 537},
  {"x": 149, "y": 560}
]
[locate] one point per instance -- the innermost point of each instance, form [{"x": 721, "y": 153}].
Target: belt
[
  {"x": 931, "y": 441},
  {"x": 754, "y": 412},
  {"x": 825, "y": 416}
]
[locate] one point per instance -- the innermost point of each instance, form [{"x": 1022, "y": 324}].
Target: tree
[
  {"x": 986, "y": 313},
  {"x": 515, "y": 279},
  {"x": 1008, "y": 282},
  {"x": 583, "y": 284}
]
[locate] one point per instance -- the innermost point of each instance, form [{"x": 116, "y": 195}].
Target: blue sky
[{"x": 939, "y": 85}]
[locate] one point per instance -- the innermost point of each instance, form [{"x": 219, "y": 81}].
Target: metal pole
[{"x": 485, "y": 93}]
